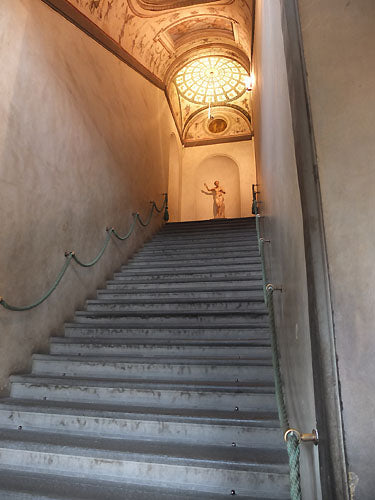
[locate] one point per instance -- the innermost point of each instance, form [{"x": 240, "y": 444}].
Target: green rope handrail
[
  {"x": 97, "y": 258},
  {"x": 69, "y": 256},
  {"x": 293, "y": 447},
  {"x": 291, "y": 438}
]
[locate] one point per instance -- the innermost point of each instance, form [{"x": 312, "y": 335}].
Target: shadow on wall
[{"x": 225, "y": 170}]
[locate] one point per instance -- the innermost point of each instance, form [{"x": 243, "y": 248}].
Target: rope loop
[{"x": 71, "y": 255}]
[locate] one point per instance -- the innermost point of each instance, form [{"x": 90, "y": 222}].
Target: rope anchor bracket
[
  {"x": 270, "y": 287},
  {"x": 310, "y": 437}
]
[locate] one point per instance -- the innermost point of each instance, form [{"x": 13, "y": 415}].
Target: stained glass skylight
[{"x": 211, "y": 79}]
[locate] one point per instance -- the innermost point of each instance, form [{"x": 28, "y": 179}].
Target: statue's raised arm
[{"x": 210, "y": 191}]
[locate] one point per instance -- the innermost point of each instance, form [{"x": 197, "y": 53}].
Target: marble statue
[{"x": 218, "y": 195}]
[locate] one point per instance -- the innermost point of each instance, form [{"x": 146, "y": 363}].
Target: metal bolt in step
[{"x": 233, "y": 492}]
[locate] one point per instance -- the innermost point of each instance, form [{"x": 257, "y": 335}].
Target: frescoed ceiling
[{"x": 198, "y": 51}]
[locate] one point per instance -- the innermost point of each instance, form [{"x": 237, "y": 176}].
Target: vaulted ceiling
[{"x": 197, "y": 51}]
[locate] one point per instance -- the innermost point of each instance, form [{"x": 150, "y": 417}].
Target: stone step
[
  {"x": 197, "y": 261},
  {"x": 178, "y": 295},
  {"x": 240, "y": 274},
  {"x": 156, "y": 393},
  {"x": 203, "y": 269},
  {"x": 228, "y": 221},
  {"x": 196, "y": 305},
  {"x": 109, "y": 331},
  {"x": 208, "y": 468},
  {"x": 223, "y": 223},
  {"x": 183, "y": 257},
  {"x": 218, "y": 317},
  {"x": 240, "y": 230},
  {"x": 185, "y": 426},
  {"x": 214, "y": 224},
  {"x": 190, "y": 242},
  {"x": 256, "y": 349},
  {"x": 215, "y": 232},
  {"x": 189, "y": 248},
  {"x": 227, "y": 236},
  {"x": 187, "y": 283},
  {"x": 24, "y": 485},
  {"x": 216, "y": 240},
  {"x": 153, "y": 366}
]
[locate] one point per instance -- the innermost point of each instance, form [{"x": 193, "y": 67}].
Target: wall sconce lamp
[{"x": 249, "y": 81}]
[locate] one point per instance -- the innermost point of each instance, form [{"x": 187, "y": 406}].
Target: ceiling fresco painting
[
  {"x": 225, "y": 122},
  {"x": 199, "y": 50}
]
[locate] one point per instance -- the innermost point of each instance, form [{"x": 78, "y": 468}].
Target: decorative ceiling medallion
[
  {"x": 217, "y": 125},
  {"x": 211, "y": 80}
]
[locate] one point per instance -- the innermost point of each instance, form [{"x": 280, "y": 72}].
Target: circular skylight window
[{"x": 211, "y": 80}]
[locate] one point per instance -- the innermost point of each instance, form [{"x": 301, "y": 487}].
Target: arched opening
[
  {"x": 174, "y": 181},
  {"x": 225, "y": 170}
]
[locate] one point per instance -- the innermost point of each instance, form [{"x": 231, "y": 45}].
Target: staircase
[{"x": 161, "y": 389}]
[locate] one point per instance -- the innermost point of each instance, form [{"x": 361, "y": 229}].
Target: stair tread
[
  {"x": 184, "y": 256},
  {"x": 226, "y": 457},
  {"x": 166, "y": 312},
  {"x": 255, "y": 281},
  {"x": 203, "y": 269},
  {"x": 187, "y": 300},
  {"x": 161, "y": 341},
  {"x": 152, "y": 359},
  {"x": 23, "y": 485},
  {"x": 186, "y": 385},
  {"x": 245, "y": 326},
  {"x": 220, "y": 417}
]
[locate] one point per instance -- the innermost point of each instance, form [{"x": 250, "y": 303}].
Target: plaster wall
[
  {"x": 282, "y": 224},
  {"x": 232, "y": 164},
  {"x": 81, "y": 148},
  {"x": 174, "y": 179},
  {"x": 339, "y": 44}
]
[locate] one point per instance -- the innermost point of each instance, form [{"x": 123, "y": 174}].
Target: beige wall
[
  {"x": 282, "y": 224},
  {"x": 231, "y": 164},
  {"x": 339, "y": 44},
  {"x": 174, "y": 178},
  {"x": 81, "y": 147}
]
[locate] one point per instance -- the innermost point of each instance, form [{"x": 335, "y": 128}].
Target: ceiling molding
[
  {"x": 76, "y": 17},
  {"x": 151, "y": 8},
  {"x": 174, "y": 117},
  {"x": 219, "y": 140}
]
